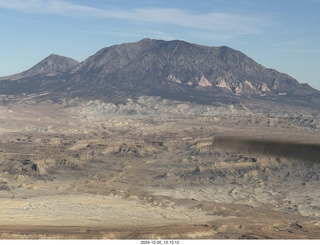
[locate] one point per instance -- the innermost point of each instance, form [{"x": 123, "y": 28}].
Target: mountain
[
  {"x": 169, "y": 69},
  {"x": 50, "y": 66}
]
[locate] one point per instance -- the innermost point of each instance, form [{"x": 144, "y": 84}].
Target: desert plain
[{"x": 154, "y": 169}]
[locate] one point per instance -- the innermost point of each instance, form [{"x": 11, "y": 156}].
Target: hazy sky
[{"x": 279, "y": 34}]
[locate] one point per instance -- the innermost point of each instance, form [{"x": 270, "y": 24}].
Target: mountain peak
[{"x": 51, "y": 65}]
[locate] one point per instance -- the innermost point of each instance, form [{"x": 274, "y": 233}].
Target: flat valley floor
[{"x": 71, "y": 172}]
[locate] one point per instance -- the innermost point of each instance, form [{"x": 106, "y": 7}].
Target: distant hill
[
  {"x": 50, "y": 66},
  {"x": 170, "y": 69}
]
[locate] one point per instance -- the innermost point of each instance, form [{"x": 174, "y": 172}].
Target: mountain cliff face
[{"x": 169, "y": 69}]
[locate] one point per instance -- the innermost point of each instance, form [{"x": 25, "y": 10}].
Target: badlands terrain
[{"x": 155, "y": 168}]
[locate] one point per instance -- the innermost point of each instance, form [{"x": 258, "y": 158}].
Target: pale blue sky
[{"x": 279, "y": 34}]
